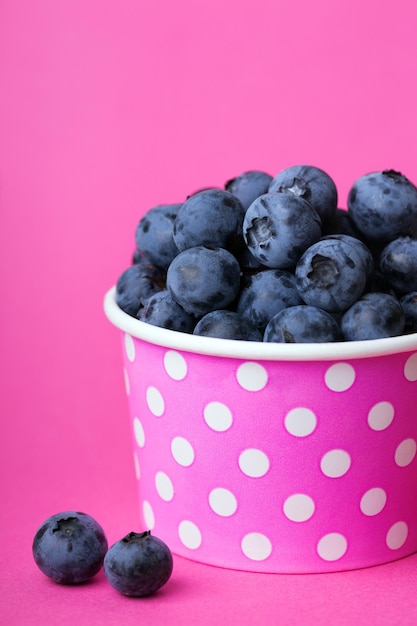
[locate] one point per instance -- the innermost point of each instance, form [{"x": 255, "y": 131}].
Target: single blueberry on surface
[
  {"x": 331, "y": 275},
  {"x": 264, "y": 294},
  {"x": 203, "y": 279},
  {"x": 209, "y": 218},
  {"x": 408, "y": 304},
  {"x": 312, "y": 184},
  {"x": 398, "y": 263},
  {"x": 278, "y": 227},
  {"x": 162, "y": 310},
  {"x": 138, "y": 565},
  {"x": 302, "y": 324},
  {"x": 383, "y": 205},
  {"x": 226, "y": 324},
  {"x": 154, "y": 235},
  {"x": 249, "y": 186},
  {"x": 70, "y": 547},
  {"x": 137, "y": 283},
  {"x": 374, "y": 316}
]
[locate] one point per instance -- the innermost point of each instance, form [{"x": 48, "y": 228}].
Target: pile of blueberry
[
  {"x": 274, "y": 259},
  {"x": 71, "y": 547}
]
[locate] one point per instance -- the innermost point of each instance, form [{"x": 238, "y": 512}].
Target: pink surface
[{"x": 107, "y": 108}]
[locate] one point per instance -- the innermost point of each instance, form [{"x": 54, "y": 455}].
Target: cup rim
[{"x": 254, "y": 350}]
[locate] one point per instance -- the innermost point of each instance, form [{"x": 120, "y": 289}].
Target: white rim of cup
[{"x": 254, "y": 350}]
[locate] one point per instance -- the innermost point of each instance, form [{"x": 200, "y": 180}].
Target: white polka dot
[
  {"x": 299, "y": 507},
  {"x": 223, "y": 502},
  {"x": 182, "y": 451},
  {"x": 218, "y": 416},
  {"x": 155, "y": 401},
  {"x": 340, "y": 377},
  {"x": 189, "y": 534},
  {"x": 139, "y": 432},
  {"x": 373, "y": 501},
  {"x": 405, "y": 452},
  {"x": 148, "y": 515},
  {"x": 252, "y": 376},
  {"x": 256, "y": 546},
  {"x": 130, "y": 348},
  {"x": 397, "y": 535},
  {"x": 410, "y": 368},
  {"x": 335, "y": 463},
  {"x": 175, "y": 365},
  {"x": 381, "y": 415},
  {"x": 300, "y": 422},
  {"x": 164, "y": 486},
  {"x": 136, "y": 465},
  {"x": 127, "y": 382},
  {"x": 253, "y": 462},
  {"x": 332, "y": 547}
]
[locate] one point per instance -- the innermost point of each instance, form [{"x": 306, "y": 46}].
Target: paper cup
[{"x": 285, "y": 458}]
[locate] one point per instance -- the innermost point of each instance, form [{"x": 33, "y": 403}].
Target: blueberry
[
  {"x": 226, "y": 324},
  {"x": 331, "y": 275},
  {"x": 398, "y": 263},
  {"x": 278, "y": 227},
  {"x": 266, "y": 293},
  {"x": 383, "y": 205},
  {"x": 360, "y": 247},
  {"x": 203, "y": 279},
  {"x": 154, "y": 235},
  {"x": 302, "y": 324},
  {"x": 162, "y": 310},
  {"x": 138, "y": 565},
  {"x": 249, "y": 186},
  {"x": 312, "y": 184},
  {"x": 374, "y": 316},
  {"x": 212, "y": 217},
  {"x": 137, "y": 283},
  {"x": 69, "y": 547},
  {"x": 408, "y": 304}
]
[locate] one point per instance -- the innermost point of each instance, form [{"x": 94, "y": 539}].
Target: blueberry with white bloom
[
  {"x": 279, "y": 227},
  {"x": 302, "y": 324},
  {"x": 374, "y": 316},
  {"x": 383, "y": 205},
  {"x": 311, "y": 183}
]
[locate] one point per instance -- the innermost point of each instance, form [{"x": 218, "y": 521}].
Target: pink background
[{"x": 106, "y": 108}]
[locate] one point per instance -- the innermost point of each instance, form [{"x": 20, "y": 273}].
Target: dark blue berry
[
  {"x": 249, "y": 186},
  {"x": 69, "y": 547},
  {"x": 278, "y": 227},
  {"x": 154, "y": 235},
  {"x": 331, "y": 275},
  {"x": 312, "y": 184},
  {"x": 383, "y": 205},
  {"x": 302, "y": 324},
  {"x": 408, "y": 304},
  {"x": 162, "y": 310},
  {"x": 374, "y": 316},
  {"x": 137, "y": 283},
  {"x": 226, "y": 324},
  {"x": 266, "y": 293},
  {"x": 209, "y": 218},
  {"x": 398, "y": 263},
  {"x": 203, "y": 279},
  {"x": 138, "y": 565}
]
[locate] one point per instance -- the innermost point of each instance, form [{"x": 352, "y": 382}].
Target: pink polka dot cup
[{"x": 271, "y": 457}]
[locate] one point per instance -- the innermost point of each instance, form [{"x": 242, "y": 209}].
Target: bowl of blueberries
[{"x": 269, "y": 345}]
